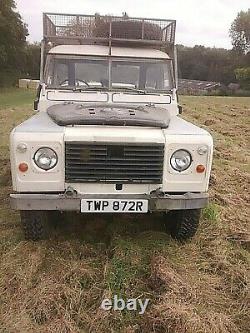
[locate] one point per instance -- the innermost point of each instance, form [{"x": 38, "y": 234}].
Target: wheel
[
  {"x": 35, "y": 224},
  {"x": 183, "y": 224}
]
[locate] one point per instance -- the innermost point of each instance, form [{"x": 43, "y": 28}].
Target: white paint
[
  {"x": 86, "y": 96},
  {"x": 157, "y": 99},
  {"x": 40, "y": 130},
  {"x": 101, "y": 50}
]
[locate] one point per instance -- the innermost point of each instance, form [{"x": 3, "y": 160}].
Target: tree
[
  {"x": 13, "y": 34},
  {"x": 240, "y": 32},
  {"x": 243, "y": 76},
  {"x": 208, "y": 64},
  {"x": 31, "y": 65}
]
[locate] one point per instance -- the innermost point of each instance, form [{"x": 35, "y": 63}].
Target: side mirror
[
  {"x": 180, "y": 108},
  {"x": 36, "y": 101}
]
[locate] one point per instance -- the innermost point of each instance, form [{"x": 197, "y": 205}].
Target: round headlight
[
  {"x": 45, "y": 158},
  {"x": 181, "y": 160}
]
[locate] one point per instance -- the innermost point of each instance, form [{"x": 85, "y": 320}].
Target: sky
[{"x": 199, "y": 22}]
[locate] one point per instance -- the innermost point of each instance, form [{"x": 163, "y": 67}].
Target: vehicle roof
[{"x": 116, "y": 51}]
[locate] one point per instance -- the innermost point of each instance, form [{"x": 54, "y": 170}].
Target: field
[{"x": 202, "y": 286}]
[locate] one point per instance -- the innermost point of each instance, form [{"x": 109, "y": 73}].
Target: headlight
[
  {"x": 180, "y": 160},
  {"x": 45, "y": 158}
]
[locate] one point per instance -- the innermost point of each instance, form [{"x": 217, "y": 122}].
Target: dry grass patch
[{"x": 198, "y": 287}]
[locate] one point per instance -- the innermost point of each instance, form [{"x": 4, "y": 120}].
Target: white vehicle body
[{"x": 37, "y": 189}]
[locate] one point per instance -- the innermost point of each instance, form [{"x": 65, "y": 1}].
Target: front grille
[{"x": 113, "y": 163}]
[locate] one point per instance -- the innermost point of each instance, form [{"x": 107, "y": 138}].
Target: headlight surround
[
  {"x": 45, "y": 158},
  {"x": 181, "y": 160}
]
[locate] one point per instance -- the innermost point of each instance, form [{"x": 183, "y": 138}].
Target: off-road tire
[
  {"x": 35, "y": 224},
  {"x": 183, "y": 224}
]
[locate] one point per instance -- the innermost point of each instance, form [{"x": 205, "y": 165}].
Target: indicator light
[
  {"x": 23, "y": 167},
  {"x": 200, "y": 168}
]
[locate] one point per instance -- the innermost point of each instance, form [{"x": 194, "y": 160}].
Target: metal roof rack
[
  {"x": 110, "y": 30},
  {"x": 77, "y": 29}
]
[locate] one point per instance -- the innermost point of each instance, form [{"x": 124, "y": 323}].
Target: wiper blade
[
  {"x": 89, "y": 88},
  {"x": 131, "y": 89},
  {"x": 140, "y": 91}
]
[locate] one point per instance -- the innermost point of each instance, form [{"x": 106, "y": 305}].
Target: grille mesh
[{"x": 113, "y": 163}]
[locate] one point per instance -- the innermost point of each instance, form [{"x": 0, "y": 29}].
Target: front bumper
[{"x": 62, "y": 202}]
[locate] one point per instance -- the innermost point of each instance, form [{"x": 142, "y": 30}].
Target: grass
[
  {"x": 211, "y": 212},
  {"x": 14, "y": 97},
  {"x": 58, "y": 285}
]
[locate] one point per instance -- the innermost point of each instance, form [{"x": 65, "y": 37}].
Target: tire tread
[
  {"x": 184, "y": 223},
  {"x": 35, "y": 224}
]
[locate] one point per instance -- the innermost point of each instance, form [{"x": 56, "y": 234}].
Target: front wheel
[
  {"x": 183, "y": 224},
  {"x": 35, "y": 224}
]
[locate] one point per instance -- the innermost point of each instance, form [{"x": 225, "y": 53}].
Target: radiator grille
[{"x": 113, "y": 163}]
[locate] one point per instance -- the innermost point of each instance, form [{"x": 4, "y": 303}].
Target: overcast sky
[{"x": 198, "y": 21}]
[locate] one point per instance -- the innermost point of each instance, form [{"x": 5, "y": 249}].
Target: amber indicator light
[
  {"x": 200, "y": 168},
  {"x": 23, "y": 167}
]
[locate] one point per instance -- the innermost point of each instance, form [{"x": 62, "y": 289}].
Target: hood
[{"x": 118, "y": 115}]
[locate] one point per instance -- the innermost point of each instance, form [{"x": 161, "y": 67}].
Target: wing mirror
[
  {"x": 36, "y": 101},
  {"x": 180, "y": 108}
]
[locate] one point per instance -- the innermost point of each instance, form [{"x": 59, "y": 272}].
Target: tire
[
  {"x": 183, "y": 224},
  {"x": 55, "y": 218},
  {"x": 35, "y": 224}
]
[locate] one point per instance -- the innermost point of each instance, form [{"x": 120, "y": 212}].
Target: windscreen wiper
[
  {"x": 140, "y": 91},
  {"x": 131, "y": 89},
  {"x": 80, "y": 89}
]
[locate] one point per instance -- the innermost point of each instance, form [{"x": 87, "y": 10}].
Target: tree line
[
  {"x": 211, "y": 64},
  {"x": 18, "y": 58},
  {"x": 218, "y": 64}
]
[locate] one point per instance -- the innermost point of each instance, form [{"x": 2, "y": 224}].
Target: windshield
[{"x": 77, "y": 72}]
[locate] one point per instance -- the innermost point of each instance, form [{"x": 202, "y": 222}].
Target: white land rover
[{"x": 107, "y": 137}]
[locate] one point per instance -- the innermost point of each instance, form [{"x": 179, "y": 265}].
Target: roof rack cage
[{"x": 110, "y": 30}]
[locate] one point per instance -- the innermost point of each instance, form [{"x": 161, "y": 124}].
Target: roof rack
[
  {"x": 110, "y": 30},
  {"x": 75, "y": 29}
]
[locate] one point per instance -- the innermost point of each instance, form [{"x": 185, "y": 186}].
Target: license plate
[{"x": 114, "y": 206}]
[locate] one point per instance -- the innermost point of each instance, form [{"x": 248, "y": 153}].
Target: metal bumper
[{"x": 62, "y": 202}]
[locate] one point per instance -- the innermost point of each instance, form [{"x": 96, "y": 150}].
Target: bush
[{"x": 9, "y": 77}]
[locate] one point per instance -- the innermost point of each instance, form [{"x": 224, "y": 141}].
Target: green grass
[
  {"x": 201, "y": 286},
  {"x": 16, "y": 97},
  {"x": 211, "y": 212}
]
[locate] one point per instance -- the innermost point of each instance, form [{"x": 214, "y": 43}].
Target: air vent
[{"x": 114, "y": 163}]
